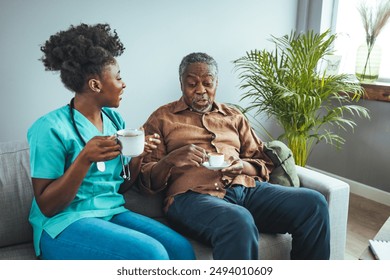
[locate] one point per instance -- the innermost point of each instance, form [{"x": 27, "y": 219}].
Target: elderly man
[{"x": 225, "y": 208}]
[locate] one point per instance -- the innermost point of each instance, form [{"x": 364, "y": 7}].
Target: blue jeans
[
  {"x": 127, "y": 236},
  {"x": 232, "y": 225}
]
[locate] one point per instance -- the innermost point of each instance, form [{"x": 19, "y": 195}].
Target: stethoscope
[{"x": 101, "y": 166}]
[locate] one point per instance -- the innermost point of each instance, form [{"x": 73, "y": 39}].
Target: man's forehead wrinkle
[{"x": 197, "y": 76}]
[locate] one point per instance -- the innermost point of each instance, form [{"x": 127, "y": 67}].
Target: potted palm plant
[{"x": 285, "y": 84}]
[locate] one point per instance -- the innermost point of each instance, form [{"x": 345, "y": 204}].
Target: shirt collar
[{"x": 182, "y": 106}]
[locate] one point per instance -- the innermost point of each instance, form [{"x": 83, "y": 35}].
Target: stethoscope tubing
[{"x": 71, "y": 107}]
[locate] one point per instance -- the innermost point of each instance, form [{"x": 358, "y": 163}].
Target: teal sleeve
[{"x": 47, "y": 152}]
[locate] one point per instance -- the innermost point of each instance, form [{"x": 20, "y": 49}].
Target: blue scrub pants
[
  {"x": 232, "y": 225},
  {"x": 127, "y": 236}
]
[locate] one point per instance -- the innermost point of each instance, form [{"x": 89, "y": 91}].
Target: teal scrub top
[{"x": 54, "y": 145}]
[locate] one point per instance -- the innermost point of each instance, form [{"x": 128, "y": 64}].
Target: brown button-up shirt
[{"x": 223, "y": 129}]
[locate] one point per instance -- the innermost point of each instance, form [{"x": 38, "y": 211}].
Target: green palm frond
[{"x": 285, "y": 84}]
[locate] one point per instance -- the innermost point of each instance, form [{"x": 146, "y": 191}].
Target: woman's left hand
[{"x": 151, "y": 143}]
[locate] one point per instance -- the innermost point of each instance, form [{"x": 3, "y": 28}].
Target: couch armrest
[{"x": 336, "y": 193}]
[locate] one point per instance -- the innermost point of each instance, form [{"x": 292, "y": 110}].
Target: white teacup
[
  {"x": 132, "y": 141},
  {"x": 216, "y": 159}
]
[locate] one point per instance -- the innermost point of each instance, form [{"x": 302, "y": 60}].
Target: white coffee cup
[
  {"x": 216, "y": 159},
  {"x": 132, "y": 141}
]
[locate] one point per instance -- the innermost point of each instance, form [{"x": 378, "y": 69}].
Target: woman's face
[{"x": 112, "y": 85}]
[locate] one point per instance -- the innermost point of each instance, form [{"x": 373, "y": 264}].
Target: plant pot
[{"x": 368, "y": 60}]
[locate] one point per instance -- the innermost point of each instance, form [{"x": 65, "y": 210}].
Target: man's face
[{"x": 199, "y": 85}]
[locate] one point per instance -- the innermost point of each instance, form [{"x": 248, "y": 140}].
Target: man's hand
[
  {"x": 236, "y": 167},
  {"x": 190, "y": 155},
  {"x": 151, "y": 143}
]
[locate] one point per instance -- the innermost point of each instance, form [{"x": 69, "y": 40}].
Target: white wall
[{"x": 156, "y": 34}]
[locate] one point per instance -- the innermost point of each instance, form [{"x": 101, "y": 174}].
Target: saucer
[{"x": 224, "y": 165}]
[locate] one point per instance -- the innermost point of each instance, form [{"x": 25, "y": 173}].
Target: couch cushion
[
  {"x": 23, "y": 251},
  {"x": 15, "y": 193},
  {"x": 284, "y": 172},
  {"x": 150, "y": 205}
]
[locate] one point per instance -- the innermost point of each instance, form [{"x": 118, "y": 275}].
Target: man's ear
[
  {"x": 95, "y": 85},
  {"x": 181, "y": 85}
]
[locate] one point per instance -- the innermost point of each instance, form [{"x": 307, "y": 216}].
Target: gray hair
[{"x": 198, "y": 57}]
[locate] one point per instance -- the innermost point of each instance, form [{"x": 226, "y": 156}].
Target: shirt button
[
  {"x": 217, "y": 188},
  {"x": 213, "y": 136}
]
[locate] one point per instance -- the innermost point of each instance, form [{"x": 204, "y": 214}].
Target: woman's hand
[{"x": 101, "y": 148}]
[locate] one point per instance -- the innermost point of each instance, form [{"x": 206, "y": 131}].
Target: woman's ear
[{"x": 95, "y": 85}]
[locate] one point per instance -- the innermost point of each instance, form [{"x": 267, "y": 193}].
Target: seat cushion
[
  {"x": 150, "y": 205},
  {"x": 15, "y": 193},
  {"x": 23, "y": 251},
  {"x": 271, "y": 247}
]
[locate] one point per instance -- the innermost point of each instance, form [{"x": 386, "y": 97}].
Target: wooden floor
[{"x": 365, "y": 218}]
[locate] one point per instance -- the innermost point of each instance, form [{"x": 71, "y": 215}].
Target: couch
[{"x": 16, "y": 194}]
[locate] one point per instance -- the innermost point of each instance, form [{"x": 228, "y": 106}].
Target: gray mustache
[{"x": 202, "y": 98}]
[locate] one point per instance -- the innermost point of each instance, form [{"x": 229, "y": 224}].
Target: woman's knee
[
  {"x": 152, "y": 250},
  {"x": 181, "y": 250},
  {"x": 140, "y": 247}
]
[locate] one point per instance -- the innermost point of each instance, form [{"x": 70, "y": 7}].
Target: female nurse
[{"x": 76, "y": 163}]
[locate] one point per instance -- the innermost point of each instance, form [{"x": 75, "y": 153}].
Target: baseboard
[{"x": 361, "y": 189}]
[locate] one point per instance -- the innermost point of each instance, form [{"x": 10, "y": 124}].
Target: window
[{"x": 351, "y": 34}]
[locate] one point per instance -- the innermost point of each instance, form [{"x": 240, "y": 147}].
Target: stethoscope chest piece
[{"x": 101, "y": 166}]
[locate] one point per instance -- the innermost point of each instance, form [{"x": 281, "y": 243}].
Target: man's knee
[
  {"x": 238, "y": 238},
  {"x": 239, "y": 222},
  {"x": 317, "y": 201}
]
